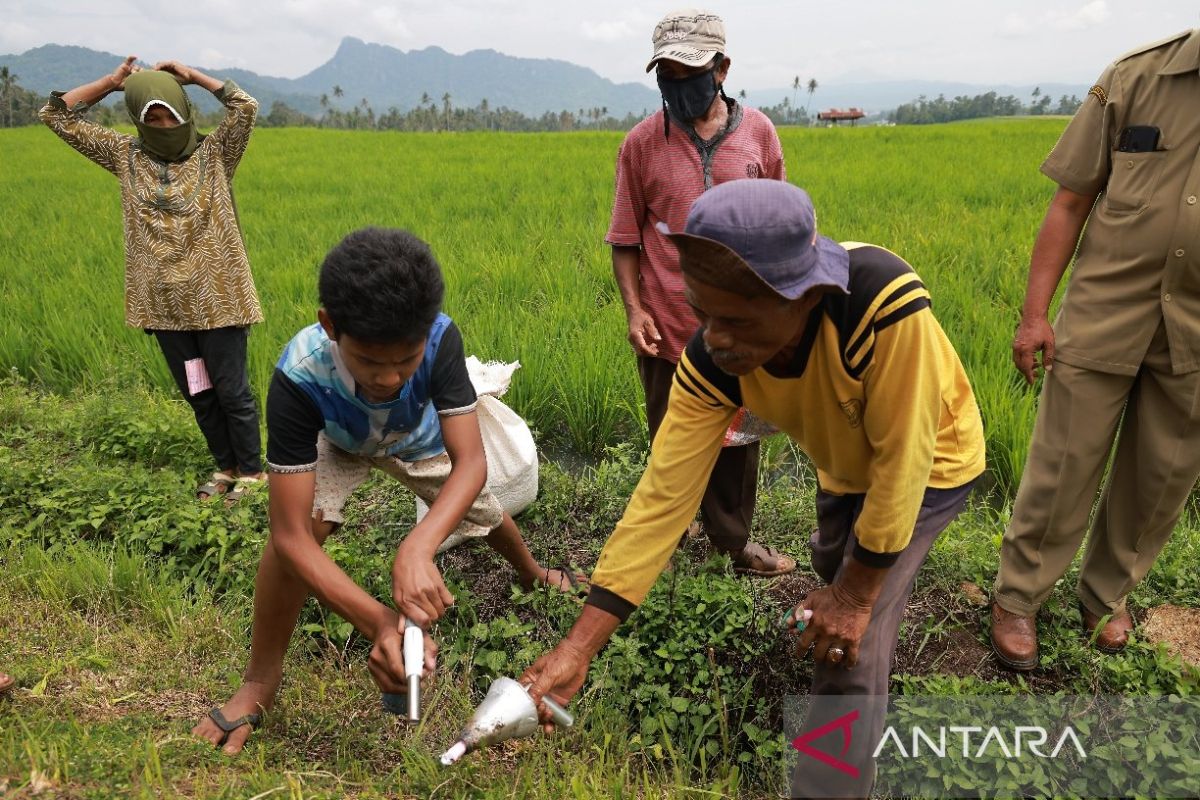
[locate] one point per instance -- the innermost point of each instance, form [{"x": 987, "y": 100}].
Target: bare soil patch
[{"x": 1176, "y": 627}]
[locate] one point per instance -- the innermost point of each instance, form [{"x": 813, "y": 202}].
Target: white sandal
[
  {"x": 242, "y": 487},
  {"x": 218, "y": 483}
]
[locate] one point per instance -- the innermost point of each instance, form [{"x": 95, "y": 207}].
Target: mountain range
[{"x": 385, "y": 77}]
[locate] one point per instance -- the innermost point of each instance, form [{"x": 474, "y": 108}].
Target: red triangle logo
[{"x": 845, "y": 724}]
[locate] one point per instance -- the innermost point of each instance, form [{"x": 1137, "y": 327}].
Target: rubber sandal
[
  {"x": 218, "y": 483},
  {"x": 762, "y": 562},
  {"x": 241, "y": 488},
  {"x": 253, "y": 720}
]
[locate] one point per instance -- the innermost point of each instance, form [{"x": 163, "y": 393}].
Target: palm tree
[
  {"x": 8, "y": 81},
  {"x": 337, "y": 91},
  {"x": 446, "y": 108},
  {"x": 742, "y": 95},
  {"x": 812, "y": 87},
  {"x": 795, "y": 88}
]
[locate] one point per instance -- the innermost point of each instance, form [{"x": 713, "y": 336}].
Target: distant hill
[
  {"x": 390, "y": 77},
  {"x": 384, "y": 76}
]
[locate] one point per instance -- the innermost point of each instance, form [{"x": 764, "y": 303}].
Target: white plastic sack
[
  {"x": 491, "y": 377},
  {"x": 507, "y": 442}
]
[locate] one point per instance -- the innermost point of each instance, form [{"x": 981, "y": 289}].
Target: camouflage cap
[{"x": 690, "y": 36}]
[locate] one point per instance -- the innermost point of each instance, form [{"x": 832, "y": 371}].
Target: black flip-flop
[{"x": 253, "y": 720}]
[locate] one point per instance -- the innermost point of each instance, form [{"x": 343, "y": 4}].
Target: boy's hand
[
  {"x": 386, "y": 661},
  {"x": 417, "y": 587}
]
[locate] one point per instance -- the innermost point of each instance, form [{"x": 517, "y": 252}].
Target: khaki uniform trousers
[{"x": 1155, "y": 467}]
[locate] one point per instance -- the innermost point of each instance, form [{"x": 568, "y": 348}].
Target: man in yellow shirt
[{"x": 837, "y": 346}]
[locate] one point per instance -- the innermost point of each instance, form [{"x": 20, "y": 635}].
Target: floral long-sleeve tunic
[{"x": 185, "y": 261}]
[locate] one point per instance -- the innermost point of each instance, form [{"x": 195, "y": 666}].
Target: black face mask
[{"x": 691, "y": 97}]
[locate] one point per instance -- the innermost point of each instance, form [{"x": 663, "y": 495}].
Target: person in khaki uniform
[{"x": 1124, "y": 352}]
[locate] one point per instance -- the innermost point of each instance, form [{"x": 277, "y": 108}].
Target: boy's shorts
[{"x": 339, "y": 473}]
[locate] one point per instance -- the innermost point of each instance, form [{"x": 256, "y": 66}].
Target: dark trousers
[
  {"x": 728, "y": 504},
  {"x": 226, "y": 413},
  {"x": 832, "y": 546}
]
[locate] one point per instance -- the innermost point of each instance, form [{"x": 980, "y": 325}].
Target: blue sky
[{"x": 1014, "y": 42}]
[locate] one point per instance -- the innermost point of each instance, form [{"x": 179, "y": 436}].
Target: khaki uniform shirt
[
  {"x": 1139, "y": 258},
  {"x": 185, "y": 262}
]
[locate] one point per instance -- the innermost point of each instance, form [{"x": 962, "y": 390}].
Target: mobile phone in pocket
[{"x": 1138, "y": 139}]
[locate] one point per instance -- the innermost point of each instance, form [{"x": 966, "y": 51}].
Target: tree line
[
  {"x": 924, "y": 111},
  {"x": 19, "y": 106},
  {"x": 431, "y": 114}
]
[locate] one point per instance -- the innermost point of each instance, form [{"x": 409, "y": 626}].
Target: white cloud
[
  {"x": 387, "y": 24},
  {"x": 770, "y": 40},
  {"x": 210, "y": 55},
  {"x": 608, "y": 31},
  {"x": 16, "y": 37},
  {"x": 1015, "y": 25},
  {"x": 627, "y": 26},
  {"x": 1086, "y": 16}
]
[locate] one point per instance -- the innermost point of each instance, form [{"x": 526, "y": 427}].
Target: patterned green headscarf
[{"x": 149, "y": 87}]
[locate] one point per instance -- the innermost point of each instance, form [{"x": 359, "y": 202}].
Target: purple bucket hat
[{"x": 759, "y": 237}]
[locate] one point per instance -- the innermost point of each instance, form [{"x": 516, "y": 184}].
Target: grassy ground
[
  {"x": 117, "y": 662},
  {"x": 124, "y": 625}
]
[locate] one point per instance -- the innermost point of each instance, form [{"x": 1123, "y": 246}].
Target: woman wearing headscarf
[{"x": 187, "y": 278}]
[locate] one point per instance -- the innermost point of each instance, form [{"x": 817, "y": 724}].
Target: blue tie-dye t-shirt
[{"x": 313, "y": 392}]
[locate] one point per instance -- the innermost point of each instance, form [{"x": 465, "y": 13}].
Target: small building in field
[{"x": 835, "y": 116}]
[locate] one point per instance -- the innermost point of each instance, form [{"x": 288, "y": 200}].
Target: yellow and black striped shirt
[{"x": 875, "y": 395}]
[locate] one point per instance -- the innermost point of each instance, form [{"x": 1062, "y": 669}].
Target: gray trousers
[{"x": 832, "y": 547}]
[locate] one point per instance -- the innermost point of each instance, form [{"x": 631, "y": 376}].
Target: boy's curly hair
[{"x": 381, "y": 285}]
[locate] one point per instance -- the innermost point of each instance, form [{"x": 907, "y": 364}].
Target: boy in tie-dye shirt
[{"x": 380, "y": 381}]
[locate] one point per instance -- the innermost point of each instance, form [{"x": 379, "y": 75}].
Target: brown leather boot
[
  {"x": 1114, "y": 635},
  {"x": 1014, "y": 639}
]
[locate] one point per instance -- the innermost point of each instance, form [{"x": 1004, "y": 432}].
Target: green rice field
[{"x": 517, "y": 221}]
